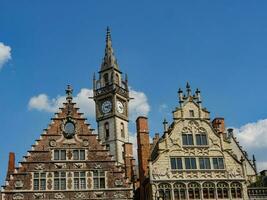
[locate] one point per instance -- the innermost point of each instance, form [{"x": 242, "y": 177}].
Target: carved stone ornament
[
  {"x": 118, "y": 195},
  {"x": 52, "y": 143},
  {"x": 18, "y": 184},
  {"x": 99, "y": 194},
  {"x": 85, "y": 143},
  {"x": 78, "y": 165},
  {"x": 98, "y": 166},
  {"x": 59, "y": 196},
  {"x": 80, "y": 195},
  {"x": 60, "y": 165},
  {"x": 39, "y": 167},
  {"x": 118, "y": 183},
  {"x": 38, "y": 195},
  {"x": 18, "y": 196}
]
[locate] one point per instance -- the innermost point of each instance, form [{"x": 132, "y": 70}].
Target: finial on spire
[
  {"x": 69, "y": 91},
  {"x": 108, "y": 35},
  {"x": 188, "y": 89},
  {"x": 165, "y": 125}
]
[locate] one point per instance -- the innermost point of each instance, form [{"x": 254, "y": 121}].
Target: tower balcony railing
[{"x": 112, "y": 88}]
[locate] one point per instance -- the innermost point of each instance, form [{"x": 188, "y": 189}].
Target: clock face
[
  {"x": 69, "y": 129},
  {"x": 120, "y": 107},
  {"x": 106, "y": 106}
]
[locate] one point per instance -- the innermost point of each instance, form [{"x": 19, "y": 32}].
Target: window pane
[
  {"x": 179, "y": 163},
  {"x": 82, "y": 155},
  {"x": 193, "y": 163},
  {"x": 76, "y": 183},
  {"x": 215, "y": 163},
  {"x": 201, "y": 163},
  {"x": 96, "y": 183},
  {"x": 63, "y": 174},
  {"x": 102, "y": 182},
  {"x": 63, "y": 155},
  {"x": 43, "y": 184},
  {"x": 207, "y": 163},
  {"x": 184, "y": 139},
  {"x": 187, "y": 163},
  {"x": 82, "y": 174},
  {"x": 76, "y": 155},
  {"x": 173, "y": 163},
  {"x": 190, "y": 139},
  {"x": 198, "y": 139},
  {"x": 56, "y": 155},
  {"x": 204, "y": 139},
  {"x": 83, "y": 183},
  {"x": 221, "y": 165},
  {"x": 63, "y": 183},
  {"x": 56, "y": 184},
  {"x": 36, "y": 175},
  {"x": 36, "y": 184},
  {"x": 56, "y": 174}
]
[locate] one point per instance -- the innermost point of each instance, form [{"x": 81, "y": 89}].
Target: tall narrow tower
[{"x": 111, "y": 96}]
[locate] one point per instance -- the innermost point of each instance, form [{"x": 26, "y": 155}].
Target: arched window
[
  {"x": 106, "y": 81},
  {"x": 122, "y": 130},
  {"x": 194, "y": 191},
  {"x": 222, "y": 190},
  {"x": 236, "y": 190},
  {"x": 107, "y": 130},
  {"x": 208, "y": 190},
  {"x": 164, "y": 190},
  {"x": 179, "y": 191}
]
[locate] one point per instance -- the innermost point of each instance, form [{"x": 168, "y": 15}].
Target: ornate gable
[{"x": 68, "y": 161}]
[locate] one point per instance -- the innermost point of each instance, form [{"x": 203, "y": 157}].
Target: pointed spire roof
[{"x": 109, "y": 60}]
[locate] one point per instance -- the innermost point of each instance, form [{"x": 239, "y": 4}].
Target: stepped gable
[{"x": 19, "y": 183}]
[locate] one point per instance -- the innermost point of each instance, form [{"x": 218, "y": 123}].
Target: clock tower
[{"x": 111, "y": 96}]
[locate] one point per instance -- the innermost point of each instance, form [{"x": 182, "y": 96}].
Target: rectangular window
[
  {"x": 107, "y": 147},
  {"x": 201, "y": 139},
  {"x": 79, "y": 181},
  {"x": 99, "y": 179},
  {"x": 78, "y": 154},
  {"x": 204, "y": 163},
  {"x": 187, "y": 139},
  {"x": 59, "y": 180},
  {"x": 218, "y": 163},
  {"x": 59, "y": 154},
  {"x": 190, "y": 163},
  {"x": 176, "y": 163},
  {"x": 39, "y": 181}
]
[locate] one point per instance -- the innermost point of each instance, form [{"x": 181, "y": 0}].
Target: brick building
[
  {"x": 69, "y": 161},
  {"x": 195, "y": 158}
]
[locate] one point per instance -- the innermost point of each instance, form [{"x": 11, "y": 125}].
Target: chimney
[
  {"x": 218, "y": 124},
  {"x": 128, "y": 157},
  {"x": 11, "y": 164},
  {"x": 143, "y": 151}
]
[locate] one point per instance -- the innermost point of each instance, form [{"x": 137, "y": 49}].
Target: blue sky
[{"x": 218, "y": 46}]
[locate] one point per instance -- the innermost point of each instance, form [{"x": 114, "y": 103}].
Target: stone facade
[
  {"x": 195, "y": 158},
  {"x": 69, "y": 161}
]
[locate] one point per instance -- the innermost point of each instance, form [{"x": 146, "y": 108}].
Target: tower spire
[{"x": 109, "y": 60}]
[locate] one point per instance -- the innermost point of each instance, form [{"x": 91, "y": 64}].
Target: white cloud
[
  {"x": 138, "y": 105},
  {"x": 42, "y": 102},
  {"x": 253, "y": 135},
  {"x": 5, "y": 54}
]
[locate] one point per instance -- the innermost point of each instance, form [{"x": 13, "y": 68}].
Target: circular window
[{"x": 69, "y": 129}]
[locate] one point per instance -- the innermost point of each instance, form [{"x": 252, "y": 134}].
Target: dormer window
[{"x": 191, "y": 113}]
